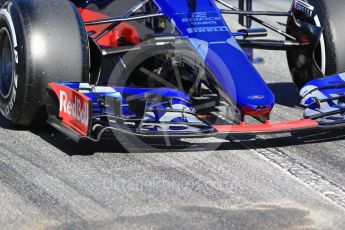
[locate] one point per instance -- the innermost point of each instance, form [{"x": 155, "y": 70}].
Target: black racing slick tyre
[
  {"x": 329, "y": 54},
  {"x": 40, "y": 42}
]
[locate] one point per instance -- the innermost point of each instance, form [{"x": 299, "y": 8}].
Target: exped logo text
[{"x": 74, "y": 108}]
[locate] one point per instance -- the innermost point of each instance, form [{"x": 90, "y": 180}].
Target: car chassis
[{"x": 95, "y": 111}]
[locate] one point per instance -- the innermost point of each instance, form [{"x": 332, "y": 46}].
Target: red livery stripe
[{"x": 267, "y": 127}]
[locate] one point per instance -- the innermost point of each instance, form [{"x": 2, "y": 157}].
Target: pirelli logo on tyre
[{"x": 73, "y": 108}]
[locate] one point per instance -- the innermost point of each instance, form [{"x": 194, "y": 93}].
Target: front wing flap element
[
  {"x": 72, "y": 108},
  {"x": 80, "y": 110},
  {"x": 324, "y": 100}
]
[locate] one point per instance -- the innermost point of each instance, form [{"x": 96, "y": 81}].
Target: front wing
[{"x": 82, "y": 111}]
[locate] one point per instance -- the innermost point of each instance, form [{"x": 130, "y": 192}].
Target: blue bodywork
[
  {"x": 201, "y": 23},
  {"x": 324, "y": 99},
  {"x": 170, "y": 111},
  {"x": 162, "y": 109},
  {"x": 205, "y": 28}
]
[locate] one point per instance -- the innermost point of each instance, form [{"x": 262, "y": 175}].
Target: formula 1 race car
[{"x": 164, "y": 68}]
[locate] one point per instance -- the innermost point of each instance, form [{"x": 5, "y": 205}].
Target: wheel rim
[
  {"x": 320, "y": 51},
  {"x": 6, "y": 63}
]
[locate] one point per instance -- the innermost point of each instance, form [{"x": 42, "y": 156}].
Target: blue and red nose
[
  {"x": 261, "y": 110},
  {"x": 257, "y": 105}
]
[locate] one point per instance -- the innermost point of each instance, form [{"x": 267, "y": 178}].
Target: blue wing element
[{"x": 324, "y": 99}]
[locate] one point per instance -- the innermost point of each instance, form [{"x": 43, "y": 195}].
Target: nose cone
[
  {"x": 255, "y": 112},
  {"x": 218, "y": 49},
  {"x": 239, "y": 79},
  {"x": 258, "y": 104}
]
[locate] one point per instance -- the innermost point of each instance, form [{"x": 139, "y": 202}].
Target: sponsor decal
[
  {"x": 256, "y": 97},
  {"x": 207, "y": 21},
  {"x": 303, "y": 7},
  {"x": 73, "y": 108},
  {"x": 10, "y": 104},
  {"x": 202, "y": 18},
  {"x": 207, "y": 29}
]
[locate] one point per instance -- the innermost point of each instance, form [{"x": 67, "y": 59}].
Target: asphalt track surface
[{"x": 279, "y": 182}]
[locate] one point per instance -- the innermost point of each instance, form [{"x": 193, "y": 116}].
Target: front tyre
[
  {"x": 329, "y": 54},
  {"x": 40, "y": 42}
]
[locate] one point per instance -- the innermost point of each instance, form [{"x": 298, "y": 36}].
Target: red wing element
[
  {"x": 269, "y": 127},
  {"x": 124, "y": 30},
  {"x": 74, "y": 108}
]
